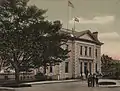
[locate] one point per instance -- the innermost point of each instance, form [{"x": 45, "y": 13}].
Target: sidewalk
[
  {"x": 6, "y": 89},
  {"x": 52, "y": 82}
]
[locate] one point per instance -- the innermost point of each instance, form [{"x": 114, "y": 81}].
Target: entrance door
[
  {"x": 81, "y": 68},
  {"x": 85, "y": 68}
]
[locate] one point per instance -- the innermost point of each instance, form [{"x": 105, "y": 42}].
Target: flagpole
[
  {"x": 73, "y": 47},
  {"x": 73, "y": 50},
  {"x": 67, "y": 14},
  {"x": 74, "y": 26},
  {"x": 73, "y": 42},
  {"x": 70, "y": 7}
]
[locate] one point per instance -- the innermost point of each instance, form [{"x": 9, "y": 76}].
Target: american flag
[
  {"x": 70, "y": 4},
  {"x": 76, "y": 19}
]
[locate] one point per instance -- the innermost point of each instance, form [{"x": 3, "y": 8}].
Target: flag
[
  {"x": 76, "y": 19},
  {"x": 70, "y": 4}
]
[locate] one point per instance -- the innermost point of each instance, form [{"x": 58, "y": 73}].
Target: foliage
[
  {"x": 110, "y": 68},
  {"x": 40, "y": 76},
  {"x": 27, "y": 40},
  {"x": 116, "y": 69},
  {"x": 106, "y": 62}
]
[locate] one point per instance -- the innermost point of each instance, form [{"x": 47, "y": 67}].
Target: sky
[{"x": 94, "y": 15}]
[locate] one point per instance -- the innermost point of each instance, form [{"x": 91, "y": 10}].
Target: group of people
[{"x": 93, "y": 80}]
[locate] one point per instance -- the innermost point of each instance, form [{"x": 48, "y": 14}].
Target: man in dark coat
[
  {"x": 97, "y": 78},
  {"x": 93, "y": 80},
  {"x": 86, "y": 73},
  {"x": 90, "y": 80}
]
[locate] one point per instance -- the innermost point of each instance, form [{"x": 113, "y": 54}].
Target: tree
[
  {"x": 116, "y": 70},
  {"x": 27, "y": 40},
  {"x": 53, "y": 53},
  {"x": 15, "y": 34},
  {"x": 106, "y": 62},
  {"x": 1, "y": 64},
  {"x": 110, "y": 67}
]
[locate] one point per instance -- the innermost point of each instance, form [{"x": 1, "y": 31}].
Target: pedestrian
[
  {"x": 86, "y": 74},
  {"x": 97, "y": 81},
  {"x": 93, "y": 80},
  {"x": 90, "y": 80},
  {"x": 97, "y": 78}
]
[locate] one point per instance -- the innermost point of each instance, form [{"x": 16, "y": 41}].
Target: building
[{"x": 85, "y": 56}]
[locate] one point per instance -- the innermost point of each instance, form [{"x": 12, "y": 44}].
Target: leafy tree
[
  {"x": 27, "y": 40},
  {"x": 116, "y": 70},
  {"x": 110, "y": 66},
  {"x": 1, "y": 64},
  {"x": 106, "y": 62},
  {"x": 16, "y": 46},
  {"x": 53, "y": 53}
]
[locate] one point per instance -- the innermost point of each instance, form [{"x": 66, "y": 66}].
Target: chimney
[{"x": 95, "y": 34}]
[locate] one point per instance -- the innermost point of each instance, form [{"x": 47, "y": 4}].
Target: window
[
  {"x": 81, "y": 50},
  {"x": 90, "y": 65},
  {"x": 27, "y": 77},
  {"x": 96, "y": 67},
  {"x": 96, "y": 52},
  {"x": 89, "y": 51},
  {"x": 66, "y": 67},
  {"x": 85, "y": 50},
  {"x": 51, "y": 69},
  {"x": 85, "y": 67}
]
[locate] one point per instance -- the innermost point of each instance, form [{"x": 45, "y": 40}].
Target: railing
[{"x": 11, "y": 76}]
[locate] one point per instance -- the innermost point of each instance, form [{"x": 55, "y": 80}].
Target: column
[
  {"x": 83, "y": 72},
  {"x": 58, "y": 72},
  {"x": 93, "y": 67},
  {"x": 94, "y": 61},
  {"x": 88, "y": 66},
  {"x": 81, "y": 68},
  {"x": 99, "y": 59}
]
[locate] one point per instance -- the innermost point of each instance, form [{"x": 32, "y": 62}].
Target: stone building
[{"x": 85, "y": 56}]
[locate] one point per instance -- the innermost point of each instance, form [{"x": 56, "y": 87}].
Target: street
[{"x": 72, "y": 86}]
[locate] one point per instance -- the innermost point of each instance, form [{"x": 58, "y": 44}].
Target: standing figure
[
  {"x": 93, "y": 80},
  {"x": 96, "y": 81},
  {"x": 86, "y": 74},
  {"x": 97, "y": 78},
  {"x": 90, "y": 80}
]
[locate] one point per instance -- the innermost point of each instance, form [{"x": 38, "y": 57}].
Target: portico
[{"x": 84, "y": 66}]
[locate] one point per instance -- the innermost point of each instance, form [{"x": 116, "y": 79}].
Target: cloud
[
  {"x": 111, "y": 48},
  {"x": 109, "y": 36},
  {"x": 95, "y": 20}
]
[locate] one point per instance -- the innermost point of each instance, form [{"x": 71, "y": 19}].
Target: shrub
[{"x": 40, "y": 76}]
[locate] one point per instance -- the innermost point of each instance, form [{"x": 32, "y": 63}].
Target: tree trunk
[
  {"x": 44, "y": 68},
  {"x": 17, "y": 75},
  {"x": 15, "y": 65}
]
